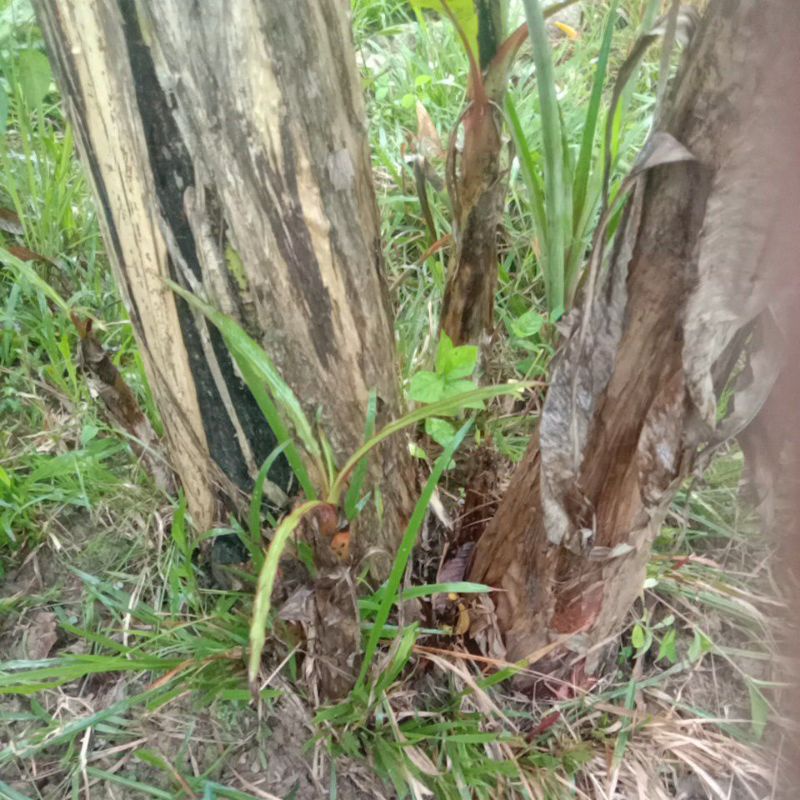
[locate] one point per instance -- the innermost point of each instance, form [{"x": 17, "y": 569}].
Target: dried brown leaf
[
  {"x": 10, "y": 222},
  {"x": 455, "y": 568},
  {"x": 429, "y": 144},
  {"x": 41, "y": 635},
  {"x": 298, "y": 607},
  {"x": 337, "y": 645},
  {"x": 463, "y": 622},
  {"x": 485, "y": 629},
  {"x": 26, "y": 254},
  {"x": 121, "y": 403}
]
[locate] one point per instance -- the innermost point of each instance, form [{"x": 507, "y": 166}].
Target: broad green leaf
[
  {"x": 34, "y": 76},
  {"x": 439, "y": 430},
  {"x": 455, "y": 362},
  {"x": 426, "y": 387},
  {"x": 464, "y": 12},
  {"x": 459, "y": 387},
  {"x": 638, "y": 637},
  {"x": 443, "y": 353},
  {"x": 529, "y": 324},
  {"x": 701, "y": 645},
  {"x": 417, "y": 452},
  {"x": 88, "y": 433},
  {"x": 667, "y": 649}
]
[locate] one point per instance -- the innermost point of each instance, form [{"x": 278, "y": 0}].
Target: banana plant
[
  {"x": 326, "y": 487},
  {"x": 476, "y": 183}
]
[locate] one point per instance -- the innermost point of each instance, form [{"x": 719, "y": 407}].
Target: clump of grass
[{"x": 57, "y": 451}]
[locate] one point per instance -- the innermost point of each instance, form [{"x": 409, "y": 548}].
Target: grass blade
[
  {"x": 129, "y": 783},
  {"x": 426, "y": 590},
  {"x": 583, "y": 168},
  {"x": 65, "y": 732},
  {"x": 402, "y": 652},
  {"x": 31, "y": 276},
  {"x": 404, "y": 551},
  {"x": 254, "y": 517},
  {"x": 353, "y": 495},
  {"x": 11, "y": 794},
  {"x": 257, "y": 370},
  {"x": 212, "y": 791},
  {"x": 587, "y": 184},
  {"x": 454, "y": 587},
  {"x": 532, "y": 182},
  {"x": 555, "y": 190},
  {"x": 266, "y": 581}
]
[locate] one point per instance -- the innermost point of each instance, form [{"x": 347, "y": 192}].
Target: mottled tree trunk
[
  {"x": 227, "y": 148},
  {"x": 632, "y": 402}
]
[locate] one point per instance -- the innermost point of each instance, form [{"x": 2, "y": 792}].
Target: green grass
[
  {"x": 56, "y": 448},
  {"x": 145, "y": 689},
  {"x": 409, "y": 59}
]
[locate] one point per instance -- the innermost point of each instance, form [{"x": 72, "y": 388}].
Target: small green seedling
[{"x": 450, "y": 378}]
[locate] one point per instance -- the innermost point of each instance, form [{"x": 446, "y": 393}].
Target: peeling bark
[
  {"x": 226, "y": 145},
  {"x": 632, "y": 404},
  {"x": 477, "y": 181},
  {"x": 477, "y": 194},
  {"x": 477, "y": 185}
]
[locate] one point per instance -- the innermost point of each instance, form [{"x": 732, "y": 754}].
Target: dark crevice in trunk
[{"x": 173, "y": 173}]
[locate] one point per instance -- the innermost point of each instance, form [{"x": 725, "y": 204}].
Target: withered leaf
[
  {"x": 463, "y": 623},
  {"x": 299, "y": 606},
  {"x": 121, "y": 403},
  {"x": 455, "y": 568},
  {"x": 429, "y": 145},
  {"x": 10, "y": 222},
  {"x": 41, "y": 635}
]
